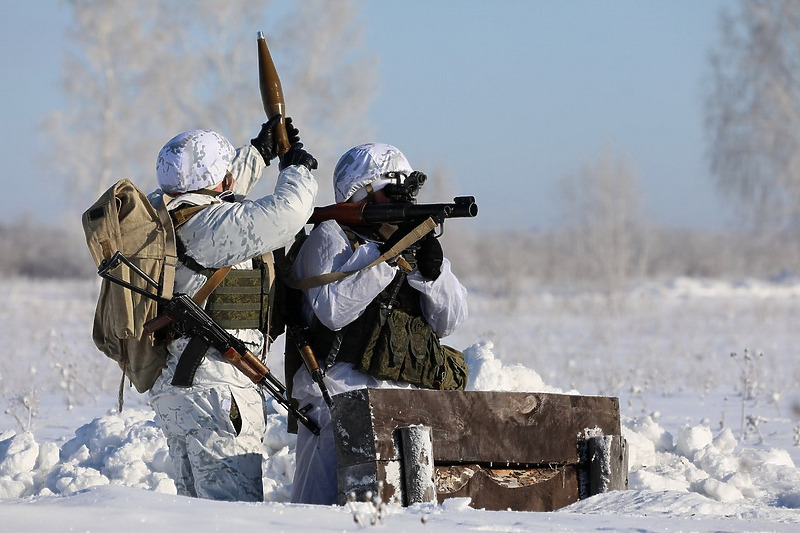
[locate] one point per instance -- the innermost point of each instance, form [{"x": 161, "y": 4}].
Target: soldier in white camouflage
[
  {"x": 215, "y": 428},
  {"x": 339, "y": 316}
]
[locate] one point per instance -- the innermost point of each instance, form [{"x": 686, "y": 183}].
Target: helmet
[
  {"x": 193, "y": 160},
  {"x": 365, "y": 164}
]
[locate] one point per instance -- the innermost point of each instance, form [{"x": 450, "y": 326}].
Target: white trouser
[
  {"x": 315, "y": 476},
  {"x": 211, "y": 459}
]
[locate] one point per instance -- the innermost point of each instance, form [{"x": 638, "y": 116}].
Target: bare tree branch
[
  {"x": 137, "y": 73},
  {"x": 753, "y": 112}
]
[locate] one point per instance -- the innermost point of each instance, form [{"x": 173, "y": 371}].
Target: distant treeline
[
  {"x": 559, "y": 256},
  {"x": 34, "y": 249}
]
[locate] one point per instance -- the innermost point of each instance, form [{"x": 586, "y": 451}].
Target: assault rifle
[{"x": 189, "y": 319}]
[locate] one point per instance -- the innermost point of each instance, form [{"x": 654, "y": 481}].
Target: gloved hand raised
[
  {"x": 292, "y": 133},
  {"x": 430, "y": 257},
  {"x": 264, "y": 142},
  {"x": 295, "y": 155}
]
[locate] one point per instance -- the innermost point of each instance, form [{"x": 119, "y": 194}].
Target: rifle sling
[
  {"x": 211, "y": 283},
  {"x": 330, "y": 277},
  {"x": 163, "y": 320}
]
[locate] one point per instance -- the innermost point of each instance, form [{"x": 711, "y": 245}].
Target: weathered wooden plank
[
  {"x": 536, "y": 428},
  {"x": 606, "y": 464},
  {"x": 503, "y": 450},
  {"x": 417, "y": 465},
  {"x": 538, "y": 489},
  {"x": 535, "y": 489},
  {"x": 353, "y": 428},
  {"x": 382, "y": 478}
]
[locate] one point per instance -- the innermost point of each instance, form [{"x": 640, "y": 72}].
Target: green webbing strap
[{"x": 329, "y": 277}]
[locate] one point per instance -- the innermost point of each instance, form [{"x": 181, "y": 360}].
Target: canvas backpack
[{"x": 124, "y": 220}]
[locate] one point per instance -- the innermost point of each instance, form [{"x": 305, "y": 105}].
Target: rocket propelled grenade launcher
[
  {"x": 272, "y": 92},
  {"x": 402, "y": 208},
  {"x": 395, "y": 213}
]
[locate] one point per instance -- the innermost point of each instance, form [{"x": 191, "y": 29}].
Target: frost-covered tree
[
  {"x": 137, "y": 73},
  {"x": 753, "y": 112},
  {"x": 602, "y": 204}
]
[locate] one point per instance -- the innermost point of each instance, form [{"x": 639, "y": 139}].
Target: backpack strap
[
  {"x": 330, "y": 277},
  {"x": 171, "y": 263},
  {"x": 184, "y": 213},
  {"x": 170, "y": 248},
  {"x": 179, "y": 217},
  {"x": 161, "y": 321}
]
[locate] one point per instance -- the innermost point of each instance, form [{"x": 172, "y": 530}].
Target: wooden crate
[{"x": 504, "y": 450}]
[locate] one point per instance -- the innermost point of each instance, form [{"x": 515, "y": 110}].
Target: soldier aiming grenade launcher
[{"x": 402, "y": 207}]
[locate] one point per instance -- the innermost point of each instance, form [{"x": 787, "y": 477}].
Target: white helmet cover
[
  {"x": 193, "y": 160},
  {"x": 364, "y": 164}
]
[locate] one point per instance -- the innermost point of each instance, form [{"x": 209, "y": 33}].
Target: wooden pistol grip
[{"x": 157, "y": 323}]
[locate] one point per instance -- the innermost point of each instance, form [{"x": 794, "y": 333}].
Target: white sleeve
[
  {"x": 443, "y": 300},
  {"x": 327, "y": 249},
  {"x": 246, "y": 169},
  {"x": 228, "y": 233}
]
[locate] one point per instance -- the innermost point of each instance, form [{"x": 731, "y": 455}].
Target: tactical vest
[
  {"x": 358, "y": 336},
  {"x": 390, "y": 340},
  {"x": 244, "y": 298}
]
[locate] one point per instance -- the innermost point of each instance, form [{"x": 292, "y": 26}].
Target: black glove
[
  {"x": 292, "y": 133},
  {"x": 295, "y": 155},
  {"x": 264, "y": 142},
  {"x": 430, "y": 257}
]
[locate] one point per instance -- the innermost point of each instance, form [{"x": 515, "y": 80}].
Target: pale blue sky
[{"x": 509, "y": 94}]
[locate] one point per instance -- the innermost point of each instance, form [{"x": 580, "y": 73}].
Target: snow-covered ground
[{"x": 706, "y": 372}]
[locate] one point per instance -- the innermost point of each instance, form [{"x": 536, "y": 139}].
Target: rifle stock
[
  {"x": 310, "y": 361},
  {"x": 272, "y": 92},
  {"x": 358, "y": 214}
]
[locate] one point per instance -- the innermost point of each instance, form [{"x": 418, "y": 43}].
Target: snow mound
[
  {"x": 692, "y": 473},
  {"x": 487, "y": 373},
  {"x": 712, "y": 466}
]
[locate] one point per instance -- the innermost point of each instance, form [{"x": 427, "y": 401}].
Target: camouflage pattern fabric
[
  {"x": 315, "y": 456},
  {"x": 364, "y": 164},
  {"x": 193, "y": 160},
  {"x": 211, "y": 459},
  {"x": 229, "y": 233}
]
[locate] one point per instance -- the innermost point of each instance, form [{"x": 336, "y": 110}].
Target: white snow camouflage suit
[
  {"x": 211, "y": 460},
  {"x": 327, "y": 249}
]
